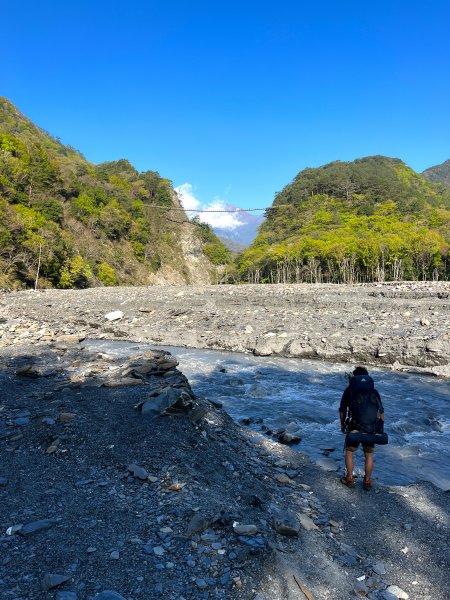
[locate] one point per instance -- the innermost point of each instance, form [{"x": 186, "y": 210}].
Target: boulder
[{"x": 171, "y": 400}]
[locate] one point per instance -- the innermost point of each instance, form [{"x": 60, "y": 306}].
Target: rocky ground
[
  {"x": 403, "y": 325},
  {"x": 113, "y": 476}
]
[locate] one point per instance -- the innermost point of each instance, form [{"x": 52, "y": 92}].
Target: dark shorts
[{"x": 367, "y": 448}]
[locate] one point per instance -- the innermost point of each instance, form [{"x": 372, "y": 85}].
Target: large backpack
[{"x": 365, "y": 405}]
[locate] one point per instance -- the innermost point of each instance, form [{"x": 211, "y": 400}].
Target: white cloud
[
  {"x": 222, "y": 220},
  {"x": 186, "y": 196}
]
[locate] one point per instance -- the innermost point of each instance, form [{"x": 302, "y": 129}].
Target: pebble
[
  {"x": 396, "y": 591},
  {"x": 201, "y": 583},
  {"x": 379, "y": 568},
  {"x": 21, "y": 421},
  {"x": 158, "y": 550},
  {"x": 361, "y": 588},
  {"x": 115, "y": 315},
  {"x": 114, "y": 555},
  {"x": 66, "y": 596},
  {"x": 245, "y": 529},
  {"x": 307, "y": 523}
]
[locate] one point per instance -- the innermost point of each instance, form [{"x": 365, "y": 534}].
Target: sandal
[
  {"x": 367, "y": 484},
  {"x": 348, "y": 481}
]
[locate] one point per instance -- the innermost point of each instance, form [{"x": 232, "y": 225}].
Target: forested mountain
[
  {"x": 77, "y": 224},
  {"x": 439, "y": 173},
  {"x": 373, "y": 219}
]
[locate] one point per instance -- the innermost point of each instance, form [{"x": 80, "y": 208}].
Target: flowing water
[{"x": 304, "y": 395}]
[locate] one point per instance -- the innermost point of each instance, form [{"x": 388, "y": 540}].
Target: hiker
[{"x": 360, "y": 411}]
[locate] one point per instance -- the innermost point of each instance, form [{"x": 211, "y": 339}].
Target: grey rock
[
  {"x": 115, "y": 315},
  {"x": 20, "y": 421},
  {"x": 348, "y": 549},
  {"x": 109, "y": 595},
  {"x": 215, "y": 403},
  {"x": 66, "y": 596},
  {"x": 396, "y": 591},
  {"x": 245, "y": 529},
  {"x": 171, "y": 400},
  {"x": 197, "y": 524},
  {"x": 37, "y": 526},
  {"x": 147, "y": 548},
  {"x": 201, "y": 583},
  {"x": 114, "y": 555},
  {"x": 286, "y": 524},
  {"x": 361, "y": 588},
  {"x": 210, "y": 537},
  {"x": 379, "y": 568},
  {"x": 288, "y": 438},
  {"x": 347, "y": 561},
  {"x": 387, "y": 596},
  {"x": 52, "y": 580},
  {"x": 137, "y": 471}
]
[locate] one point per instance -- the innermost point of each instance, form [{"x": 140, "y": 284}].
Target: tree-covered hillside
[
  {"x": 78, "y": 224},
  {"x": 373, "y": 219},
  {"x": 439, "y": 173}
]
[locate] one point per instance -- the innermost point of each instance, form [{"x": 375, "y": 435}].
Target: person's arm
[
  {"x": 343, "y": 408},
  {"x": 380, "y": 406}
]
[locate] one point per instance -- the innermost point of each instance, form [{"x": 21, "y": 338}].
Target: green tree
[
  {"x": 106, "y": 274},
  {"x": 76, "y": 273}
]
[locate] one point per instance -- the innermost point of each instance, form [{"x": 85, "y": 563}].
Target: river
[{"x": 304, "y": 396}]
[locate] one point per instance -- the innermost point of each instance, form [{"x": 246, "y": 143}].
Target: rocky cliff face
[{"x": 194, "y": 268}]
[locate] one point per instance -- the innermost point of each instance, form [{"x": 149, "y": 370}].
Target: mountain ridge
[
  {"x": 372, "y": 219},
  {"x": 67, "y": 222},
  {"x": 438, "y": 173}
]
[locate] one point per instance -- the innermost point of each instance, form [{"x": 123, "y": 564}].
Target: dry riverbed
[
  {"x": 402, "y": 325},
  {"x": 114, "y": 476}
]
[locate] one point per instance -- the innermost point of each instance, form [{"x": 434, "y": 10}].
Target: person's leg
[
  {"x": 368, "y": 467},
  {"x": 348, "y": 479},
  {"x": 349, "y": 463}
]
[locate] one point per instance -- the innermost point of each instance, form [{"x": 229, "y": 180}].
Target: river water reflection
[{"x": 305, "y": 395}]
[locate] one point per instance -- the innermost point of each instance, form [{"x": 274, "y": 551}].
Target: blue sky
[{"x": 232, "y": 99}]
